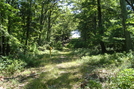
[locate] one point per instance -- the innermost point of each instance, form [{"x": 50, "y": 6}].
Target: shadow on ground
[{"x": 70, "y": 71}]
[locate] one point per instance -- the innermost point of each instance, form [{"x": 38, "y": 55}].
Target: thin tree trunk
[
  {"x": 3, "y": 45},
  {"x": 1, "y": 33},
  {"x": 9, "y": 31},
  {"x": 2, "y": 38},
  {"x": 95, "y": 24},
  {"x": 49, "y": 27},
  {"x": 28, "y": 27},
  {"x": 0, "y": 42},
  {"x": 41, "y": 23}
]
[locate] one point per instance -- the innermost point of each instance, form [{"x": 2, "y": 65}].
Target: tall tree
[
  {"x": 100, "y": 26},
  {"x": 124, "y": 27}
]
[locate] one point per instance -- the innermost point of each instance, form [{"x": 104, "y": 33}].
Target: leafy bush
[
  {"x": 124, "y": 79},
  {"x": 9, "y": 66}
]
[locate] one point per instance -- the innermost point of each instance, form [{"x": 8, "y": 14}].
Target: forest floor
[{"x": 67, "y": 69}]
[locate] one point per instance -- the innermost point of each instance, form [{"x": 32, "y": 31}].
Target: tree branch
[
  {"x": 131, "y": 4},
  {"x": 128, "y": 2}
]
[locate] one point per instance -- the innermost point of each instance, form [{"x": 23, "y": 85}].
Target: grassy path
[
  {"x": 67, "y": 69},
  {"x": 61, "y": 71}
]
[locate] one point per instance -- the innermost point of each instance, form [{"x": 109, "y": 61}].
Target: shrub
[
  {"x": 10, "y": 66},
  {"x": 31, "y": 60},
  {"x": 124, "y": 79}
]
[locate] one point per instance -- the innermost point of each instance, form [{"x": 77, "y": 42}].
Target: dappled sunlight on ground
[
  {"x": 64, "y": 74},
  {"x": 65, "y": 70},
  {"x": 68, "y": 65}
]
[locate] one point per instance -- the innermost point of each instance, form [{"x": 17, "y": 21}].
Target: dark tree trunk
[
  {"x": 9, "y": 31},
  {"x": 41, "y": 23},
  {"x": 28, "y": 24},
  {"x": 3, "y": 45},
  {"x": 27, "y": 30},
  {"x": 49, "y": 27},
  {"x": 103, "y": 48}
]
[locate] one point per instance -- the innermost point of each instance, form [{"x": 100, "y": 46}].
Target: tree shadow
[
  {"x": 85, "y": 52},
  {"x": 57, "y": 58},
  {"x": 63, "y": 81}
]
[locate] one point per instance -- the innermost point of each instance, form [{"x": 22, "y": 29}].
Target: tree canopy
[{"x": 24, "y": 23}]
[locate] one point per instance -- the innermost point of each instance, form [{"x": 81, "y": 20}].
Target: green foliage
[
  {"x": 106, "y": 60},
  {"x": 31, "y": 59},
  {"x": 10, "y": 66},
  {"x": 77, "y": 43},
  {"x": 94, "y": 84},
  {"x": 124, "y": 79},
  {"x": 58, "y": 45}
]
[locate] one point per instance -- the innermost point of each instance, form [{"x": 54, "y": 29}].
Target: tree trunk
[
  {"x": 2, "y": 37},
  {"x": 9, "y": 31},
  {"x": 3, "y": 45},
  {"x": 1, "y": 33},
  {"x": 28, "y": 24},
  {"x": 0, "y": 43},
  {"x": 103, "y": 48},
  {"x": 128, "y": 41},
  {"x": 49, "y": 27},
  {"x": 41, "y": 23}
]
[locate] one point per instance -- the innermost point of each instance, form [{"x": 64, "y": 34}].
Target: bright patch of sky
[
  {"x": 129, "y": 7},
  {"x": 75, "y": 34}
]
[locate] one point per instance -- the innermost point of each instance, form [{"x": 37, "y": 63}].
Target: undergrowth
[{"x": 8, "y": 66}]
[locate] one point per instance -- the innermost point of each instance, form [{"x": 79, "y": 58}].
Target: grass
[{"x": 71, "y": 69}]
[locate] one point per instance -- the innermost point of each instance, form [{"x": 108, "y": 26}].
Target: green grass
[{"x": 73, "y": 69}]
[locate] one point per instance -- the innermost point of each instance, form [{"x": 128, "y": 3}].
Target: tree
[
  {"x": 8, "y": 16},
  {"x": 100, "y": 26},
  {"x": 126, "y": 33}
]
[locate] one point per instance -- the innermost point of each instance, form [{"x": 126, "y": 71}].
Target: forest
[{"x": 38, "y": 50}]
